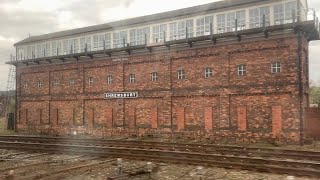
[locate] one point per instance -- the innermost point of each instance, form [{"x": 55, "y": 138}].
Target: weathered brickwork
[
  {"x": 312, "y": 123},
  {"x": 257, "y": 106},
  {"x": 2, "y": 105}
]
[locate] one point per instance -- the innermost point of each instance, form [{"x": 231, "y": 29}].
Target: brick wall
[
  {"x": 260, "y": 105},
  {"x": 312, "y": 123}
]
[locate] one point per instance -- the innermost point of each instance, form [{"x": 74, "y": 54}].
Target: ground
[
  {"x": 68, "y": 167},
  {"x": 25, "y": 165}
]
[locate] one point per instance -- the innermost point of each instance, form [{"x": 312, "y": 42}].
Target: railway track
[
  {"x": 301, "y": 163},
  {"x": 185, "y": 147}
]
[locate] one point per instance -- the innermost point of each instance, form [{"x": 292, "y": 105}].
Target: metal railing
[{"x": 236, "y": 25}]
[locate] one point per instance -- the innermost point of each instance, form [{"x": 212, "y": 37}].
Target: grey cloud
[{"x": 88, "y": 12}]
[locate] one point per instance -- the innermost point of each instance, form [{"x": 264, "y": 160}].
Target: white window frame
[
  {"x": 75, "y": 45},
  {"x": 25, "y": 85},
  {"x": 107, "y": 41},
  {"x": 132, "y": 78},
  {"x": 72, "y": 82},
  {"x": 118, "y": 39},
  {"x": 177, "y": 30},
  {"x": 181, "y": 74},
  {"x": 278, "y": 14},
  {"x": 242, "y": 70},
  {"x": 91, "y": 81},
  {"x": 154, "y": 76},
  {"x": 159, "y": 32},
  {"x": 40, "y": 85},
  {"x": 110, "y": 79},
  {"x": 208, "y": 73},
  {"x": 256, "y": 16},
  {"x": 203, "y": 25},
  {"x": 55, "y": 83},
  {"x": 66, "y": 47},
  {"x": 138, "y": 36},
  {"x": 288, "y": 8},
  {"x": 48, "y": 49},
  {"x": 276, "y": 67}
]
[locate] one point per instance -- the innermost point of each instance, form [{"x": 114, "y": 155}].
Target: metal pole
[
  {"x": 187, "y": 33},
  {"x": 264, "y": 21},
  {"x": 145, "y": 39},
  {"x": 124, "y": 42},
  {"x": 293, "y": 16},
  {"x": 236, "y": 25}
]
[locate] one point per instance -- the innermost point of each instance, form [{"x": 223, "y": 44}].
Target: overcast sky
[{"x": 19, "y": 18}]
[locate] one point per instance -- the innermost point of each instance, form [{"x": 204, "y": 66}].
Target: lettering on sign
[
  {"x": 121, "y": 95},
  {"x": 120, "y": 59}
]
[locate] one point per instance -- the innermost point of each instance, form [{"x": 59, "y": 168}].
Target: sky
[{"x": 21, "y": 18}]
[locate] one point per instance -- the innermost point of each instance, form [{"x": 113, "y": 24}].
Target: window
[
  {"x": 221, "y": 23},
  {"x": 109, "y": 80},
  {"x": 72, "y": 82},
  {"x": 208, "y": 73},
  {"x": 91, "y": 81},
  {"x": 242, "y": 70},
  {"x": 138, "y": 36},
  {"x": 227, "y": 22},
  {"x": 82, "y": 44},
  {"x": 107, "y": 40},
  {"x": 48, "y": 48},
  {"x": 203, "y": 25},
  {"x": 256, "y": 17},
  {"x": 99, "y": 40},
  {"x": 276, "y": 67},
  {"x": 21, "y": 54},
  {"x": 278, "y": 13},
  {"x": 178, "y": 29},
  {"x": 181, "y": 74},
  {"x": 159, "y": 32},
  {"x": 132, "y": 78},
  {"x": 54, "y": 48},
  {"x": 74, "y": 46},
  {"x": 31, "y": 52},
  {"x": 55, "y": 83},
  {"x": 25, "y": 85},
  {"x": 40, "y": 84},
  {"x": 154, "y": 76},
  {"x": 39, "y": 53},
  {"x": 66, "y": 47},
  {"x": 290, "y": 8},
  {"x": 85, "y": 42},
  {"x": 59, "y": 48},
  {"x": 189, "y": 26},
  {"x": 120, "y": 39}
]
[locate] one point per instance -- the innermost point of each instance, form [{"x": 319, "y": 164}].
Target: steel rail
[
  {"x": 201, "y": 148},
  {"x": 239, "y": 162}
]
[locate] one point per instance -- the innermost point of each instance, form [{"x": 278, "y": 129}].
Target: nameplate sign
[
  {"x": 121, "y": 95},
  {"x": 120, "y": 59}
]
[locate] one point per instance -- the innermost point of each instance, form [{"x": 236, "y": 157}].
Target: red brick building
[{"x": 226, "y": 70}]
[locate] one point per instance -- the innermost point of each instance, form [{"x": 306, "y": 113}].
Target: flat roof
[{"x": 138, "y": 20}]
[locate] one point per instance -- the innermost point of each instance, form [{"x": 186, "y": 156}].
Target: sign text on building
[{"x": 121, "y": 95}]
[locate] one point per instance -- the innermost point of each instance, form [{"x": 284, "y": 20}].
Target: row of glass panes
[{"x": 282, "y": 13}]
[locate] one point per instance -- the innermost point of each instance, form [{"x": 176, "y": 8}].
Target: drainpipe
[{"x": 300, "y": 86}]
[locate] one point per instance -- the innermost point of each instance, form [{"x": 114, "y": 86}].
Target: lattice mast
[{"x": 11, "y": 86}]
